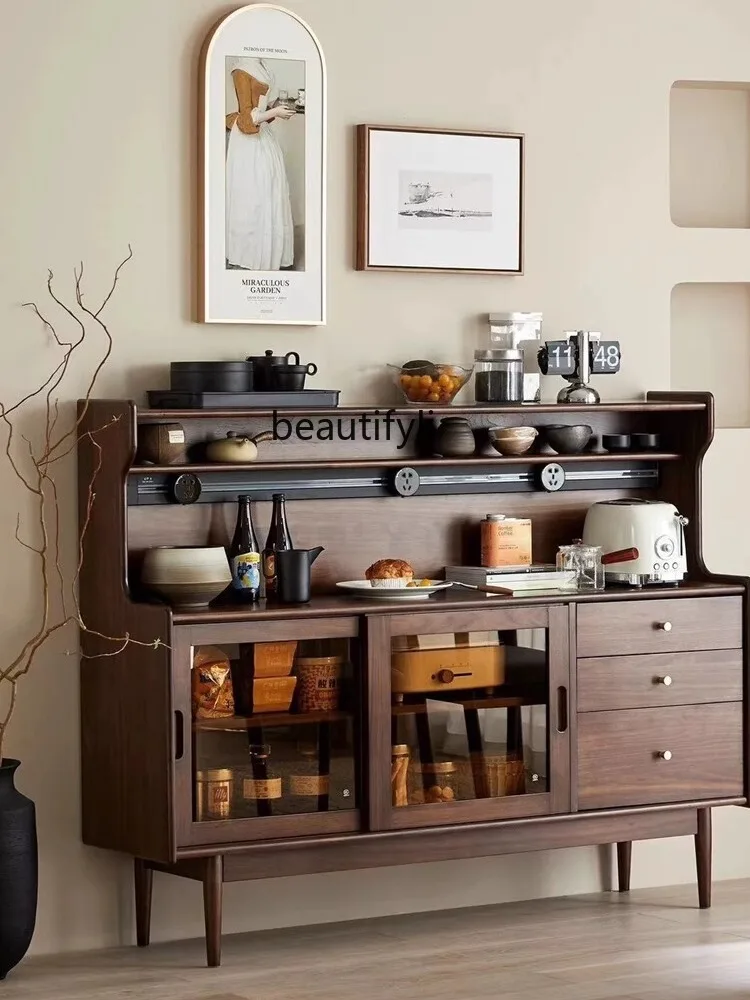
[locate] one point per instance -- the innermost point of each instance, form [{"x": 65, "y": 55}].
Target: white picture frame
[
  {"x": 431, "y": 199},
  {"x": 262, "y": 171}
]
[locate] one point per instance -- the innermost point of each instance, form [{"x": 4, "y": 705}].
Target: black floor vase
[{"x": 18, "y": 869}]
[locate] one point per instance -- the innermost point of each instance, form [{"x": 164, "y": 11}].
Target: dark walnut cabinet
[{"x": 596, "y": 718}]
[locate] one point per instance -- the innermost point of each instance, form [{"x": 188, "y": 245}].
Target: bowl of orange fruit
[{"x": 427, "y": 383}]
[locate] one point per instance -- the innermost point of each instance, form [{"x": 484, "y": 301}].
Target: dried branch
[{"x": 31, "y": 468}]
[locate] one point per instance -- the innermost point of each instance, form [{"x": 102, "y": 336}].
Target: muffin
[{"x": 390, "y": 573}]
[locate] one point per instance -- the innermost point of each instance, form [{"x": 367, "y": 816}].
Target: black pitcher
[{"x": 294, "y": 570}]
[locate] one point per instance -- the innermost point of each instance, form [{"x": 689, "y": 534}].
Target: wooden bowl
[
  {"x": 186, "y": 577},
  {"x": 512, "y": 440}
]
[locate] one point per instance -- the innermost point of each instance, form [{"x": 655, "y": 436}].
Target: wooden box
[{"x": 464, "y": 664}]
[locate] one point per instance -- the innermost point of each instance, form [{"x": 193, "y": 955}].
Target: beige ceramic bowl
[
  {"x": 512, "y": 440},
  {"x": 186, "y": 577}
]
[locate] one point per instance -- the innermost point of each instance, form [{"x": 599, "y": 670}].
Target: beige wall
[{"x": 98, "y": 149}]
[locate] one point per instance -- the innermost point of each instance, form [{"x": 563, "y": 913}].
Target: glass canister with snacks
[
  {"x": 433, "y": 782},
  {"x": 213, "y": 798}
]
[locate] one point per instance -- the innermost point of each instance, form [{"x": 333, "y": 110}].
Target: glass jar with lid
[
  {"x": 432, "y": 782},
  {"x": 520, "y": 331},
  {"x": 585, "y": 561},
  {"x": 498, "y": 376}
]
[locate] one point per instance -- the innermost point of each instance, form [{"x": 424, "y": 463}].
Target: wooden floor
[{"x": 654, "y": 945}]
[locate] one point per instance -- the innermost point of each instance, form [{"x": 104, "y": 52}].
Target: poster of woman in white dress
[{"x": 265, "y": 164}]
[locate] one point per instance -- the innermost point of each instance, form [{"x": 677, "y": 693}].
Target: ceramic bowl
[
  {"x": 512, "y": 440},
  {"x": 568, "y": 439},
  {"x": 186, "y": 577}
]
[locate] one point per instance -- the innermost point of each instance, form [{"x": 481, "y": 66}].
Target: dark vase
[{"x": 18, "y": 869}]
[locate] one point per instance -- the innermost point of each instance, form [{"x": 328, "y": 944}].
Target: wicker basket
[{"x": 493, "y": 776}]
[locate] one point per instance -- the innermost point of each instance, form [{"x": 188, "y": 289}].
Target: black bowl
[
  {"x": 616, "y": 442},
  {"x": 645, "y": 442},
  {"x": 568, "y": 439}
]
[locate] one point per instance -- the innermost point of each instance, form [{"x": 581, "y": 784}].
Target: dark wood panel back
[
  {"x": 429, "y": 531},
  {"x": 363, "y": 436}
]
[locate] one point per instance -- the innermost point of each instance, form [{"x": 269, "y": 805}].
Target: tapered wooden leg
[
  {"x": 212, "y": 889},
  {"x": 624, "y": 857},
  {"x": 144, "y": 880},
  {"x": 703, "y": 858}
]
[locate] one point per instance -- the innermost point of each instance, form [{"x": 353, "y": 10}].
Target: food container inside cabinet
[
  {"x": 454, "y": 661},
  {"x": 433, "y": 782}
]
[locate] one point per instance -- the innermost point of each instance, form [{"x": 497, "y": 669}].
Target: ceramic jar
[{"x": 454, "y": 438}]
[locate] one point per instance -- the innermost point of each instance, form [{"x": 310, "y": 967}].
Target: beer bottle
[
  {"x": 278, "y": 539},
  {"x": 244, "y": 554}
]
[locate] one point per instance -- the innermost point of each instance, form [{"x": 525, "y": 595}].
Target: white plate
[{"x": 365, "y": 589}]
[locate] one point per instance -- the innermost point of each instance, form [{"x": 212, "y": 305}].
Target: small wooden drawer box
[
  {"x": 649, "y": 755},
  {"x": 661, "y": 626},
  {"x": 654, "y": 680},
  {"x": 461, "y": 666}
]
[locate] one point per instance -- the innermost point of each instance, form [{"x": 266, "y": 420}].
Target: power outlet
[
  {"x": 406, "y": 482},
  {"x": 551, "y": 477}
]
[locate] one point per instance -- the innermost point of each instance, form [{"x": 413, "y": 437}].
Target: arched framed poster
[{"x": 262, "y": 222}]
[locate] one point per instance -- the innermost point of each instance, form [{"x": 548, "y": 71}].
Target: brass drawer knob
[
  {"x": 664, "y": 755},
  {"x": 665, "y": 626},
  {"x": 666, "y": 681}
]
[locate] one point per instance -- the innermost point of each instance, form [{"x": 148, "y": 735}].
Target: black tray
[{"x": 171, "y": 399}]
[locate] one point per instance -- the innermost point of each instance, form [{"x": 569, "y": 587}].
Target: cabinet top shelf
[
  {"x": 397, "y": 463},
  {"x": 632, "y": 406},
  {"x": 331, "y": 606}
]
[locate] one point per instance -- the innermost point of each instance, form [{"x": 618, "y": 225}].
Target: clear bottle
[
  {"x": 244, "y": 554},
  {"x": 279, "y": 539}
]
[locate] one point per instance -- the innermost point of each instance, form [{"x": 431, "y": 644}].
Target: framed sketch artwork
[
  {"x": 438, "y": 200},
  {"x": 263, "y": 110}
]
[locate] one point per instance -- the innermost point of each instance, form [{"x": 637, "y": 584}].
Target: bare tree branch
[{"x": 31, "y": 468}]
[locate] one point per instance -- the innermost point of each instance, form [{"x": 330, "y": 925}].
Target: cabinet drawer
[
  {"x": 662, "y": 626},
  {"x": 652, "y": 680},
  {"x": 619, "y": 762}
]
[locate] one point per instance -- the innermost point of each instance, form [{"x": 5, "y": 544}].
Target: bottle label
[
  {"x": 246, "y": 571},
  {"x": 269, "y": 565}
]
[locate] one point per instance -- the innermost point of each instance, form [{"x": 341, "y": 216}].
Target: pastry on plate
[{"x": 390, "y": 573}]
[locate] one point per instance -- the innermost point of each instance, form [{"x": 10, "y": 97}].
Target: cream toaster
[{"x": 642, "y": 541}]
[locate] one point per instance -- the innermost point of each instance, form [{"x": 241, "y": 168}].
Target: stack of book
[{"x": 521, "y": 580}]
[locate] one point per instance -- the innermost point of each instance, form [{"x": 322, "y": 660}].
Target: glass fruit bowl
[{"x": 430, "y": 384}]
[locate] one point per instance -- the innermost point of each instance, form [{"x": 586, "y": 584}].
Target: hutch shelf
[{"x": 574, "y": 737}]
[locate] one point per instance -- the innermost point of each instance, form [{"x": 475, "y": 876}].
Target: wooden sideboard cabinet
[{"x": 587, "y": 718}]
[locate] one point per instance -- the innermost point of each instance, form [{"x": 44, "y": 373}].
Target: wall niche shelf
[
  {"x": 710, "y": 345},
  {"x": 709, "y": 125}
]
